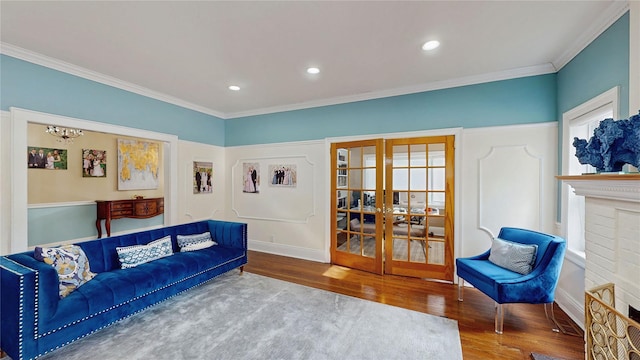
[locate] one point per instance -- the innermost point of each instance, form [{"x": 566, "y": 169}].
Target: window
[{"x": 580, "y": 122}]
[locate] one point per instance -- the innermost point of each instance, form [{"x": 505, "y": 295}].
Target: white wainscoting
[
  {"x": 507, "y": 180},
  {"x": 294, "y": 204},
  {"x": 282, "y": 221},
  {"x": 510, "y": 185}
]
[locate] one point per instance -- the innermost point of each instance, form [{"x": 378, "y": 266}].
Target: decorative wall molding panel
[
  {"x": 510, "y": 185},
  {"x": 284, "y": 204}
]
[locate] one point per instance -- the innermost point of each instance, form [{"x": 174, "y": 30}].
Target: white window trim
[{"x": 608, "y": 98}]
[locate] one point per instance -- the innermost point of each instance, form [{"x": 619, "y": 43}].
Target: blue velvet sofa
[{"x": 35, "y": 321}]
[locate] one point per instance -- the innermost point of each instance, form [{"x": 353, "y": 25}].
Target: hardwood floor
[{"x": 526, "y": 328}]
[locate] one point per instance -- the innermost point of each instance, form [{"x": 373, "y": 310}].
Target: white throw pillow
[
  {"x": 513, "y": 256},
  {"x": 195, "y": 242},
  {"x": 132, "y": 256}
]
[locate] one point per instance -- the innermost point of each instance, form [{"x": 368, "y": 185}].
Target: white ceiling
[{"x": 189, "y": 52}]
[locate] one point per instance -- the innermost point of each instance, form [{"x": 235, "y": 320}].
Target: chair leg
[
  {"x": 499, "y": 321},
  {"x": 556, "y": 327},
  {"x": 460, "y": 288}
]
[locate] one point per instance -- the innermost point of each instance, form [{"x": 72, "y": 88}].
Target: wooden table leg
[
  {"x": 107, "y": 224},
  {"x": 99, "y": 227}
]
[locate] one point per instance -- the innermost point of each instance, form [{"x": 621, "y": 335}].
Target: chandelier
[{"x": 64, "y": 135}]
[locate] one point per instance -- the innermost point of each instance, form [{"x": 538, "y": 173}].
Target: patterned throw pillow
[
  {"x": 513, "y": 256},
  {"x": 195, "y": 242},
  {"x": 132, "y": 256},
  {"x": 71, "y": 264}
]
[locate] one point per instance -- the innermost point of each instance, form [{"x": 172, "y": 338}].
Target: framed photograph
[
  {"x": 202, "y": 174},
  {"x": 94, "y": 163},
  {"x": 283, "y": 175},
  {"x": 39, "y": 157},
  {"x": 251, "y": 178}
]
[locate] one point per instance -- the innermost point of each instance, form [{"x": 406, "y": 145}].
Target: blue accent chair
[{"x": 505, "y": 286}]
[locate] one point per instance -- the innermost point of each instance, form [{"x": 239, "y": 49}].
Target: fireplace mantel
[{"x": 624, "y": 187}]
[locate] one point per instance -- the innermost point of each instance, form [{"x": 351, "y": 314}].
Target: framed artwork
[
  {"x": 251, "y": 178},
  {"x": 94, "y": 163},
  {"x": 283, "y": 175},
  {"x": 138, "y": 164},
  {"x": 202, "y": 174},
  {"x": 39, "y": 157}
]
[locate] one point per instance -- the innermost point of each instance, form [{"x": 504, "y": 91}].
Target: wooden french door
[
  {"x": 419, "y": 221},
  {"x": 395, "y": 218},
  {"x": 357, "y": 217}
]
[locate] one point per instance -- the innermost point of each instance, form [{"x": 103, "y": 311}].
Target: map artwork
[{"x": 138, "y": 164}]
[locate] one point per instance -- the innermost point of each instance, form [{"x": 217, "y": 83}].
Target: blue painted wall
[
  {"x": 51, "y": 224},
  {"x": 516, "y": 101},
  {"x": 39, "y": 88},
  {"x": 600, "y": 66}
]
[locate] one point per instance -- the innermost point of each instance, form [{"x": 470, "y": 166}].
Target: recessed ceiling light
[
  {"x": 313, "y": 70},
  {"x": 234, "y": 87},
  {"x": 430, "y": 45}
]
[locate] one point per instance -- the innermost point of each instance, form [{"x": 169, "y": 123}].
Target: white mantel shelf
[{"x": 625, "y": 187}]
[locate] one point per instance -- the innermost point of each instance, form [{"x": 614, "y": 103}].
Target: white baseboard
[
  {"x": 288, "y": 250},
  {"x": 573, "y": 307}
]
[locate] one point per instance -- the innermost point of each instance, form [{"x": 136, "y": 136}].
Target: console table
[{"x": 135, "y": 208}]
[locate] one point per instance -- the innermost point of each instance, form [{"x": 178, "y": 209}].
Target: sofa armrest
[
  {"x": 47, "y": 283},
  {"x": 231, "y": 234},
  {"x": 26, "y": 290}
]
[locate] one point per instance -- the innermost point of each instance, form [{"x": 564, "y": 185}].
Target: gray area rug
[{"x": 255, "y": 317}]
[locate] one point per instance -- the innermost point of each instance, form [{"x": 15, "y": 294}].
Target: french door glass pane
[
  {"x": 418, "y": 179},
  {"x": 418, "y": 251},
  {"x": 400, "y": 156},
  {"x": 418, "y": 155},
  {"x": 400, "y": 249},
  {"x": 355, "y": 178},
  {"x": 355, "y": 157},
  {"x": 436, "y": 179},
  {"x": 436, "y": 155},
  {"x": 369, "y": 179},
  {"x": 400, "y": 179},
  {"x": 436, "y": 253}
]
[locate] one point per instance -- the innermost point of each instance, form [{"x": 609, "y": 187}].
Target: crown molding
[
  {"x": 52, "y": 63},
  {"x": 608, "y": 17},
  {"x": 39, "y": 59},
  {"x": 436, "y": 85}
]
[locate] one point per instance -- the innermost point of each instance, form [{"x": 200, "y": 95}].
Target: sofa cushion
[
  {"x": 195, "y": 242},
  {"x": 71, "y": 264},
  {"x": 132, "y": 256},
  {"x": 513, "y": 256}
]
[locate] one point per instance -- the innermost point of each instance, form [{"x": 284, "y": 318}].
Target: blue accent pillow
[
  {"x": 513, "y": 256},
  {"x": 71, "y": 264},
  {"x": 195, "y": 242},
  {"x": 132, "y": 256}
]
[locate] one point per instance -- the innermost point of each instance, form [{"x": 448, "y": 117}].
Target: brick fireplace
[{"x": 612, "y": 233}]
